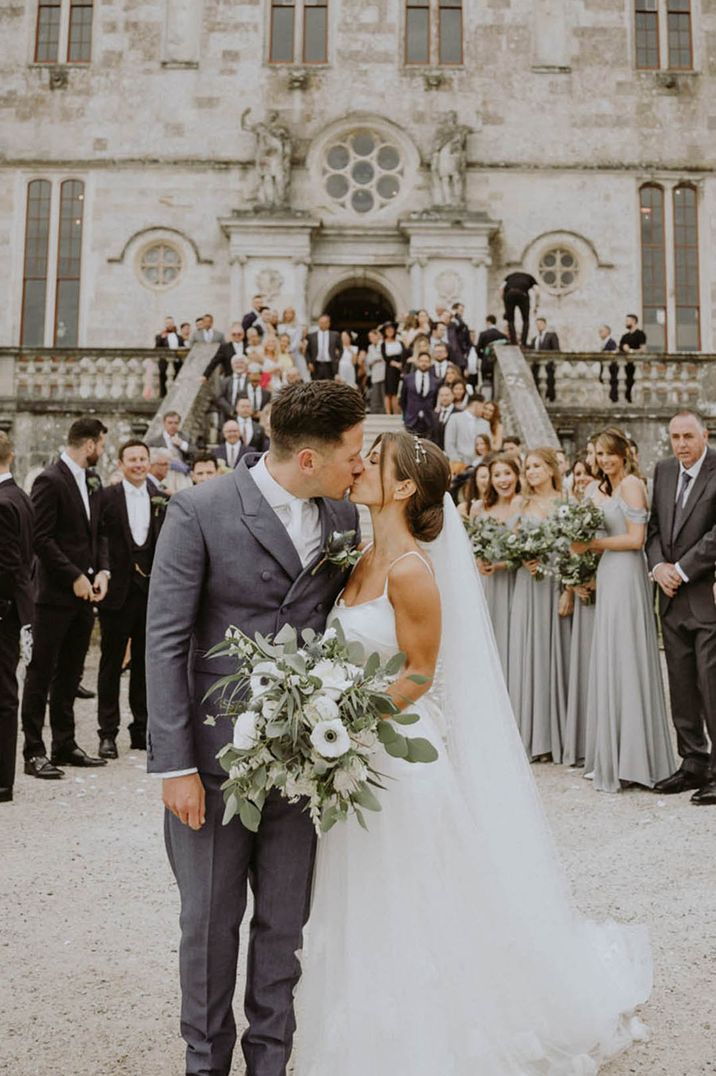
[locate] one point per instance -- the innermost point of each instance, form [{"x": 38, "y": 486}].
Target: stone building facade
[{"x": 175, "y": 156}]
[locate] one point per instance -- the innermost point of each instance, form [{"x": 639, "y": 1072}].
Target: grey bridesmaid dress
[
  {"x": 575, "y": 732},
  {"x": 537, "y": 668},
  {"x": 627, "y": 729},
  {"x": 498, "y": 590}
]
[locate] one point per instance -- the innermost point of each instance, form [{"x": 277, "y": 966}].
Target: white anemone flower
[
  {"x": 322, "y": 708},
  {"x": 245, "y": 731},
  {"x": 331, "y": 739},
  {"x": 262, "y": 678},
  {"x": 333, "y": 677}
]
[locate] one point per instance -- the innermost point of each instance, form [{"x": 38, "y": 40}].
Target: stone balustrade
[{"x": 91, "y": 375}]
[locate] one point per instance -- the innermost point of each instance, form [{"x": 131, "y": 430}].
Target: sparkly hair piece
[{"x": 420, "y": 451}]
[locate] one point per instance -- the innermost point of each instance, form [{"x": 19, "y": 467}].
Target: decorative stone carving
[
  {"x": 269, "y": 283},
  {"x": 448, "y": 162},
  {"x": 273, "y": 158},
  {"x": 449, "y": 285}
]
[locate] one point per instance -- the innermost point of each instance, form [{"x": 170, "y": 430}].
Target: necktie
[
  {"x": 422, "y": 385},
  {"x": 443, "y": 416},
  {"x": 234, "y": 389},
  {"x": 684, "y": 483},
  {"x": 244, "y": 431},
  {"x": 230, "y": 455}
]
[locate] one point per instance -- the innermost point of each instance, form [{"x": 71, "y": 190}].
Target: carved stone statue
[
  {"x": 273, "y": 158},
  {"x": 448, "y": 163}
]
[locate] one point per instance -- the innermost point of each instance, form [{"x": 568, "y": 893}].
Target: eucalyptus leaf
[
  {"x": 395, "y": 664},
  {"x": 250, "y": 816},
  {"x": 356, "y": 653},
  {"x": 406, "y": 719},
  {"x": 421, "y": 750},
  {"x": 384, "y": 704},
  {"x": 361, "y": 818},
  {"x": 417, "y": 678},
  {"x": 232, "y": 805},
  {"x": 397, "y": 748},
  {"x": 287, "y": 634},
  {"x": 308, "y": 635},
  {"x": 386, "y": 732},
  {"x": 367, "y": 799},
  {"x": 329, "y": 817},
  {"x": 371, "y": 666}
]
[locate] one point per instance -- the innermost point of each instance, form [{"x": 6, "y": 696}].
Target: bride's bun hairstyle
[
  {"x": 549, "y": 458},
  {"x": 313, "y": 414},
  {"x": 422, "y": 462}
]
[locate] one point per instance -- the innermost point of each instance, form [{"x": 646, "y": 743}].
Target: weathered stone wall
[{"x": 565, "y": 130}]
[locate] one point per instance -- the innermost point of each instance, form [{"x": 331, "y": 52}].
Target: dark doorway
[{"x": 358, "y": 310}]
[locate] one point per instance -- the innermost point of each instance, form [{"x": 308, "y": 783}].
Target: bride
[{"x": 442, "y": 942}]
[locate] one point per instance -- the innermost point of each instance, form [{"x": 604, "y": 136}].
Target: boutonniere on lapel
[
  {"x": 94, "y": 482},
  {"x": 159, "y": 504},
  {"x": 340, "y": 549}
]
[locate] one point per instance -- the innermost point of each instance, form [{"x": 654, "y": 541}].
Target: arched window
[
  {"x": 686, "y": 268},
  {"x": 653, "y": 265},
  {"x": 34, "y": 284},
  {"x": 69, "y": 256}
]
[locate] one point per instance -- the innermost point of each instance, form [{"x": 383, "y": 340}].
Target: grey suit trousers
[
  {"x": 212, "y": 867},
  {"x": 690, "y": 647}
]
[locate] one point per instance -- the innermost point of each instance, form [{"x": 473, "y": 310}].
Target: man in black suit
[
  {"x": 71, "y": 579},
  {"x": 545, "y": 340},
  {"x": 226, "y": 352},
  {"x": 519, "y": 292},
  {"x": 176, "y": 441},
  {"x": 323, "y": 350},
  {"x": 253, "y": 392},
  {"x": 608, "y": 343},
  {"x": 170, "y": 338},
  {"x": 459, "y": 334},
  {"x": 444, "y": 408},
  {"x": 681, "y": 550},
  {"x": 130, "y": 520},
  {"x": 232, "y": 387},
  {"x": 418, "y": 397},
  {"x": 485, "y": 343},
  {"x": 257, "y": 304},
  {"x": 16, "y": 605}
]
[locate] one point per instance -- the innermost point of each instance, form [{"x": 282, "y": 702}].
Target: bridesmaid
[
  {"x": 627, "y": 731},
  {"x": 575, "y": 733},
  {"x": 475, "y": 490},
  {"x": 538, "y": 648},
  {"x": 503, "y": 502}
]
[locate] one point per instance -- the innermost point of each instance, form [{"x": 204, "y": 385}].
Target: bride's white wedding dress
[{"x": 442, "y": 942}]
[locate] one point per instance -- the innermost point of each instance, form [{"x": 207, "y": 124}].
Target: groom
[
  {"x": 241, "y": 550},
  {"x": 681, "y": 549}
]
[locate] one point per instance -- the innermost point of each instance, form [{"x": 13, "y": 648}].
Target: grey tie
[{"x": 684, "y": 483}]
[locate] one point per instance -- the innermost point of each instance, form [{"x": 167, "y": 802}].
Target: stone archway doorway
[{"x": 359, "y": 309}]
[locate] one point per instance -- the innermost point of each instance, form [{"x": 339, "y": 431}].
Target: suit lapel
[
  {"x": 695, "y": 495},
  {"x": 75, "y": 493},
  {"x": 265, "y": 525}
]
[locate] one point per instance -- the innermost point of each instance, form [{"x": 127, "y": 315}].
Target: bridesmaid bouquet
[
  {"x": 308, "y": 719},
  {"x": 491, "y": 540},
  {"x": 578, "y": 521},
  {"x": 575, "y": 570},
  {"x": 535, "y": 541}
]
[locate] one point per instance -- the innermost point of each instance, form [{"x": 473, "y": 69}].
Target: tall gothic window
[
  {"x": 663, "y": 35},
  {"x": 653, "y": 266},
  {"x": 64, "y": 31},
  {"x": 34, "y": 283},
  {"x": 686, "y": 269},
  {"x": 69, "y": 251},
  {"x": 433, "y": 32},
  {"x": 310, "y": 17}
]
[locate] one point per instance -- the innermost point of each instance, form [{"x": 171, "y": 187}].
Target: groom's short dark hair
[{"x": 313, "y": 411}]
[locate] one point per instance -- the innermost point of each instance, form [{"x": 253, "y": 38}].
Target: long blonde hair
[{"x": 549, "y": 458}]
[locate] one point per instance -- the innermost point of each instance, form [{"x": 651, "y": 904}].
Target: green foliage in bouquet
[{"x": 492, "y": 541}]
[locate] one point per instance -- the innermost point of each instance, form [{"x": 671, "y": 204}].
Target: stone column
[
  {"x": 237, "y": 290},
  {"x": 301, "y": 283},
  {"x": 417, "y": 283}
]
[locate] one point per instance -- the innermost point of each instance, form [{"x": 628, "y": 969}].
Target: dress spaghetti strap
[{"x": 410, "y": 553}]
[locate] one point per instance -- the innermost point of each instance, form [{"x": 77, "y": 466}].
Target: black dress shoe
[
  {"x": 706, "y": 795},
  {"x": 681, "y": 781},
  {"x": 107, "y": 748},
  {"x": 5, "y": 795},
  {"x": 40, "y": 766},
  {"x": 77, "y": 757},
  {"x": 84, "y": 693}
]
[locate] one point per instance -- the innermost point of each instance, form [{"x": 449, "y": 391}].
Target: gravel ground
[{"x": 88, "y": 917}]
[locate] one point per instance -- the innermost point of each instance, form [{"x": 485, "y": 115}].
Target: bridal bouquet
[
  {"x": 308, "y": 719},
  {"x": 491, "y": 540}
]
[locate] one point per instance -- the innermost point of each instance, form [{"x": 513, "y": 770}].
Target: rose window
[
  {"x": 559, "y": 270},
  {"x": 363, "y": 171},
  {"x": 160, "y": 265}
]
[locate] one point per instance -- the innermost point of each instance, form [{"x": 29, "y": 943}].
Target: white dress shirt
[
  {"x": 232, "y": 453},
  {"x": 138, "y": 510},
  {"x": 174, "y": 449},
  {"x": 302, "y": 521},
  {"x": 422, "y": 383},
  {"x": 323, "y": 355},
  {"x": 440, "y": 369},
  {"x": 247, "y": 429},
  {"x": 6, "y": 476},
  {"x": 173, "y": 341},
  {"x": 80, "y": 477}
]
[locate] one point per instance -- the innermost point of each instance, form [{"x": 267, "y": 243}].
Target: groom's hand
[{"x": 185, "y": 798}]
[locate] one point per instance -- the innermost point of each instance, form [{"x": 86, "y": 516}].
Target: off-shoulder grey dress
[
  {"x": 575, "y": 732},
  {"x": 499, "y": 589},
  {"x": 537, "y": 667},
  {"x": 627, "y": 730}
]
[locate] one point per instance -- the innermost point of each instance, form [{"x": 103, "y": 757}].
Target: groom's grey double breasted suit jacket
[
  {"x": 688, "y": 619},
  {"x": 225, "y": 558}
]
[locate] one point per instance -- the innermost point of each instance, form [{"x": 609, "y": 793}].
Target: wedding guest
[
  {"x": 491, "y": 413},
  {"x": 485, "y": 347},
  {"x": 206, "y": 333},
  {"x": 460, "y": 394},
  {"x": 483, "y": 448},
  {"x": 159, "y": 460},
  {"x": 323, "y": 350},
  {"x": 131, "y": 516},
  {"x": 502, "y": 501},
  {"x": 375, "y": 367},
  {"x": 271, "y": 366},
  {"x": 185, "y": 335},
  {"x": 627, "y": 733},
  {"x": 229, "y": 453},
  {"x": 254, "y": 346},
  {"x": 17, "y": 606},
  {"x": 590, "y": 456},
  {"x": 520, "y": 291},
  {"x": 575, "y": 732},
  {"x": 445, "y": 407},
  {"x": 290, "y": 326},
  {"x": 249, "y": 319},
  {"x": 539, "y": 626},
  {"x": 474, "y": 490},
  {"x": 460, "y": 433},
  {"x": 71, "y": 578},
  {"x": 443, "y": 369},
  {"x": 395, "y": 355},
  {"x": 544, "y": 339},
  {"x": 203, "y": 468},
  {"x": 418, "y": 397},
  {"x": 251, "y": 432},
  {"x": 347, "y": 362},
  {"x": 169, "y": 339},
  {"x": 257, "y": 396},
  {"x": 606, "y": 340},
  {"x": 681, "y": 547},
  {"x": 232, "y": 387},
  {"x": 225, "y": 352},
  {"x": 512, "y": 446},
  {"x": 634, "y": 339},
  {"x": 174, "y": 439}
]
